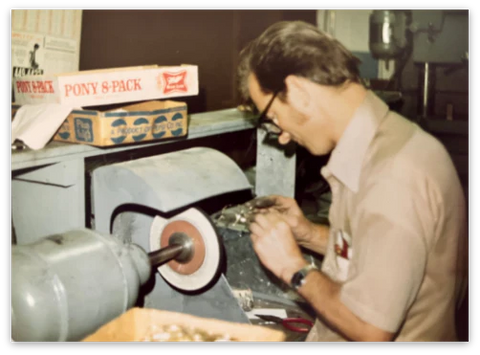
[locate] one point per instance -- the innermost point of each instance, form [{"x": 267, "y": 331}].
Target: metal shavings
[{"x": 244, "y": 298}]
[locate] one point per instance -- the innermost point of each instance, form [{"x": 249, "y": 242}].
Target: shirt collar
[{"x": 347, "y": 157}]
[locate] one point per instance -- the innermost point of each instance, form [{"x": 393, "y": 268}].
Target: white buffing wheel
[{"x": 208, "y": 268}]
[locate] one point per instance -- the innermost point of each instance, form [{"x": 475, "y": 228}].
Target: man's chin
[{"x": 316, "y": 152}]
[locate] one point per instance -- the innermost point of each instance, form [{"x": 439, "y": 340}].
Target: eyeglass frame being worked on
[{"x": 266, "y": 124}]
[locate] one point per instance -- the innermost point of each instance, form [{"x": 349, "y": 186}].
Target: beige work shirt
[{"x": 398, "y": 227}]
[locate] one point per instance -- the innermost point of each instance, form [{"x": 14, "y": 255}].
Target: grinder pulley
[
  {"x": 185, "y": 249},
  {"x": 180, "y": 248}
]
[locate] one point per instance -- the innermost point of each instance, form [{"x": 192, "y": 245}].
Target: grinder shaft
[
  {"x": 164, "y": 255},
  {"x": 180, "y": 247}
]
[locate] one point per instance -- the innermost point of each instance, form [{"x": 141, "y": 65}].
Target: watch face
[{"x": 298, "y": 279}]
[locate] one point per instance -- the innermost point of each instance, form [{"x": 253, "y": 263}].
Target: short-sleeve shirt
[{"x": 398, "y": 237}]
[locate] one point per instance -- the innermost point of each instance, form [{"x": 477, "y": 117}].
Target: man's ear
[{"x": 298, "y": 93}]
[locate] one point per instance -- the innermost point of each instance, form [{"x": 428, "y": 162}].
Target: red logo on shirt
[
  {"x": 174, "y": 82},
  {"x": 341, "y": 247}
]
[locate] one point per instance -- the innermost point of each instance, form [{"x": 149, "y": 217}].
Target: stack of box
[{"x": 145, "y": 121}]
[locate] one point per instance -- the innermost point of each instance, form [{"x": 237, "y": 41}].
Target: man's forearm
[
  {"x": 318, "y": 239},
  {"x": 324, "y": 296}
]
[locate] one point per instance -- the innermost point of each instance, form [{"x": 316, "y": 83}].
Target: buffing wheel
[{"x": 203, "y": 265}]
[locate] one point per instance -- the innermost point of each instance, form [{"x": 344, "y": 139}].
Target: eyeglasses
[{"x": 264, "y": 123}]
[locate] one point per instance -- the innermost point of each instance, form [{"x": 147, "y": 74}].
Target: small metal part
[
  {"x": 262, "y": 202},
  {"x": 236, "y": 217},
  {"x": 244, "y": 298}
]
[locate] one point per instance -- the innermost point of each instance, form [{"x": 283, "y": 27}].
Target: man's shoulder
[
  {"x": 403, "y": 150},
  {"x": 402, "y": 137}
]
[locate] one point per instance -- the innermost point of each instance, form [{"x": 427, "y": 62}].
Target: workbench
[{"x": 49, "y": 187}]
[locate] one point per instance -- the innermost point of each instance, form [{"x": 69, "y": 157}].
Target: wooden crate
[{"x": 135, "y": 325}]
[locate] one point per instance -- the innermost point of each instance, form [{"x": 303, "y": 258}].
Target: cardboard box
[
  {"x": 151, "y": 120},
  {"x": 137, "y": 324},
  {"x": 108, "y": 86}
]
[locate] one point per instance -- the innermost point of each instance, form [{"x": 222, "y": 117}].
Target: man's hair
[{"x": 295, "y": 48}]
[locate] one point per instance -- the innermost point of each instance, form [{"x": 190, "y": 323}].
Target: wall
[
  {"x": 351, "y": 27},
  {"x": 348, "y": 26},
  {"x": 452, "y": 82},
  {"x": 210, "y": 39}
]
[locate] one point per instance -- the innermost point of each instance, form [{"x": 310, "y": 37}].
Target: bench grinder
[{"x": 66, "y": 286}]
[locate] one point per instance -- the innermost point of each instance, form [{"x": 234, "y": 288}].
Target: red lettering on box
[
  {"x": 126, "y": 85},
  {"x": 24, "y": 87},
  {"x": 82, "y": 89},
  {"x": 49, "y": 87},
  {"x": 37, "y": 87},
  {"x": 136, "y": 85},
  {"x": 68, "y": 89},
  {"x": 115, "y": 85}
]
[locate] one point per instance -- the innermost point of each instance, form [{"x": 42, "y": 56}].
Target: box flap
[{"x": 152, "y": 105}]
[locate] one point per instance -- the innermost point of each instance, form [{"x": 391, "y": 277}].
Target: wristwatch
[{"x": 298, "y": 278}]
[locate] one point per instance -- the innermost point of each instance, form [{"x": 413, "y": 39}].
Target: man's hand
[
  {"x": 301, "y": 227},
  {"x": 275, "y": 245}
]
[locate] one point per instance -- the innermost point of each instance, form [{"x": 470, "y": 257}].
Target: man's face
[
  {"x": 280, "y": 113},
  {"x": 296, "y": 126}
]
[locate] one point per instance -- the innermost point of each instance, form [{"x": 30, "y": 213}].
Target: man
[{"x": 394, "y": 263}]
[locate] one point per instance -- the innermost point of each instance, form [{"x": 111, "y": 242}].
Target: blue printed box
[{"x": 142, "y": 122}]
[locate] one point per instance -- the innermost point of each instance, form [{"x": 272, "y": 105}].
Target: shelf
[{"x": 200, "y": 125}]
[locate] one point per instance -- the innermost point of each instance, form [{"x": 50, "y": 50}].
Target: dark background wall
[{"x": 211, "y": 39}]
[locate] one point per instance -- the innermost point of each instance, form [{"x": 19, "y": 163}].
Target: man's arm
[
  {"x": 318, "y": 239},
  {"x": 277, "y": 249},
  {"x": 390, "y": 258},
  {"x": 324, "y": 296}
]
